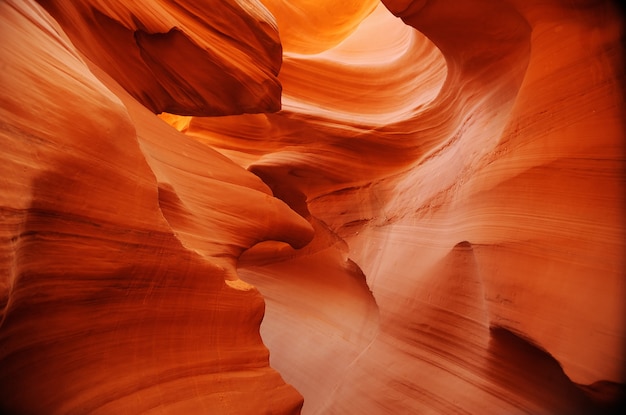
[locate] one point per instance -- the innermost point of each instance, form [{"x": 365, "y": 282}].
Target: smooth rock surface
[
  {"x": 416, "y": 206},
  {"x": 119, "y": 288}
]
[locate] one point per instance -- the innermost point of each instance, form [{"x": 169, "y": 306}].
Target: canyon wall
[{"x": 312, "y": 206}]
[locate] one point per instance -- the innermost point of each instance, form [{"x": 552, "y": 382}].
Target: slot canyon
[{"x": 310, "y": 206}]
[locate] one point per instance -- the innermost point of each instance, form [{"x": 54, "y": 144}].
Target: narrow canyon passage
[{"x": 316, "y": 207}]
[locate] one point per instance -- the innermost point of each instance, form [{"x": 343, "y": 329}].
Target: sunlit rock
[{"x": 428, "y": 218}]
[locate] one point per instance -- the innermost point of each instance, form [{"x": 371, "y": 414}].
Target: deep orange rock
[
  {"x": 432, "y": 223},
  {"x": 520, "y": 152},
  {"x": 115, "y": 297}
]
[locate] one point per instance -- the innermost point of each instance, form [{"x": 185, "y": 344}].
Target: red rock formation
[
  {"x": 459, "y": 173},
  {"x": 118, "y": 247},
  {"x": 171, "y": 56},
  {"x": 520, "y": 153}
]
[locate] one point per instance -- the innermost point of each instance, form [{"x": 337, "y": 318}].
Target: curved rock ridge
[
  {"x": 365, "y": 88},
  {"x": 518, "y": 150},
  {"x": 432, "y": 223},
  {"x": 370, "y": 78},
  {"x": 556, "y": 158},
  {"x": 119, "y": 293},
  {"x": 312, "y": 26},
  {"x": 334, "y": 303},
  {"x": 186, "y": 57},
  {"x": 214, "y": 207}
]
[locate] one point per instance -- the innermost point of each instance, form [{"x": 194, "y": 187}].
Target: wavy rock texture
[
  {"x": 482, "y": 200},
  {"x": 118, "y": 248},
  {"x": 435, "y": 217}
]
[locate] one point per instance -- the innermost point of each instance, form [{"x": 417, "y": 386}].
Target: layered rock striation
[
  {"x": 120, "y": 235},
  {"x": 419, "y": 205}
]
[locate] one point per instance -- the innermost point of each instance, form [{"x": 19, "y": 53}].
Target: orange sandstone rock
[
  {"x": 519, "y": 152},
  {"x": 449, "y": 236},
  {"x": 112, "y": 300}
]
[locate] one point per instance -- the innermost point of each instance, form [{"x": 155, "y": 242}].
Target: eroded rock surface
[
  {"x": 189, "y": 57},
  {"x": 432, "y": 223},
  {"x": 118, "y": 282}
]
